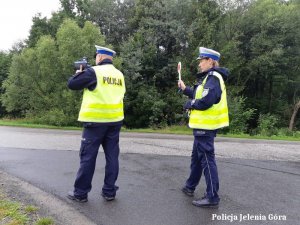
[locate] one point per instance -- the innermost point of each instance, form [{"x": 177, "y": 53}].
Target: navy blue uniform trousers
[
  {"x": 203, "y": 160},
  {"x": 92, "y": 138}
]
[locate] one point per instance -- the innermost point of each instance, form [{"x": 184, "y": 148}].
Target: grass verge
[
  {"x": 184, "y": 130},
  {"x": 15, "y": 213},
  {"x": 30, "y": 124},
  {"x": 187, "y": 131}
]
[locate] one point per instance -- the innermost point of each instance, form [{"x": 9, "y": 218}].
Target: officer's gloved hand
[
  {"x": 188, "y": 105},
  {"x": 80, "y": 70}
]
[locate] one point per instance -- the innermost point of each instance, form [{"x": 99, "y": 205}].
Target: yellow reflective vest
[
  {"x": 105, "y": 103},
  {"x": 214, "y": 117}
]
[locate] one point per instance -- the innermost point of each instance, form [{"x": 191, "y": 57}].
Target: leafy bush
[
  {"x": 267, "y": 124},
  {"x": 296, "y": 134},
  {"x": 239, "y": 115},
  {"x": 157, "y": 118},
  {"x": 285, "y": 132},
  {"x": 146, "y": 107},
  {"x": 55, "y": 117}
]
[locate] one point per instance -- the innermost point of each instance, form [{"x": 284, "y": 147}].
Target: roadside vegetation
[
  {"x": 258, "y": 41},
  {"x": 17, "y": 213},
  {"x": 281, "y": 134}
]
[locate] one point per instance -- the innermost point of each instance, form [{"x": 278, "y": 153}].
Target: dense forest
[{"x": 259, "y": 42}]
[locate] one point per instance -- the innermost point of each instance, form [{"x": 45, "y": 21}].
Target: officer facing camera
[{"x": 102, "y": 115}]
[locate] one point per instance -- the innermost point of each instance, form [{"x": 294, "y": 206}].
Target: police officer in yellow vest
[
  {"x": 102, "y": 115},
  {"x": 208, "y": 113}
]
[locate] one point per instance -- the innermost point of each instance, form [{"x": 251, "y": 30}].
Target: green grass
[
  {"x": 262, "y": 137},
  {"x": 187, "y": 131},
  {"x": 184, "y": 130},
  {"x": 31, "y": 209},
  {"x": 167, "y": 130},
  {"x": 16, "y": 213},
  {"x": 31, "y": 124},
  {"x": 12, "y": 212},
  {"x": 44, "y": 221}
]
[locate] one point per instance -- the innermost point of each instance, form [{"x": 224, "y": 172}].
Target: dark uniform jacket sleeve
[
  {"x": 84, "y": 79},
  {"x": 214, "y": 92},
  {"x": 188, "y": 92}
]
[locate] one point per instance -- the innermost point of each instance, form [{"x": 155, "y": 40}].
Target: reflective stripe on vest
[
  {"x": 105, "y": 102},
  {"x": 216, "y": 116}
]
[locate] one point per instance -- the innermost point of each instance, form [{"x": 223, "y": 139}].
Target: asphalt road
[{"x": 259, "y": 180}]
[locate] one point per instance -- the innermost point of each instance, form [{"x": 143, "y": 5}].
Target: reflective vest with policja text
[
  {"x": 104, "y": 103},
  {"x": 214, "y": 117}
]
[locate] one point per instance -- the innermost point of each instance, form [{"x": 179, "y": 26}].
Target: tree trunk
[
  {"x": 270, "y": 93},
  {"x": 292, "y": 121}
]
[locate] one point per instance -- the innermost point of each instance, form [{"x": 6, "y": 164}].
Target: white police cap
[
  {"x": 106, "y": 51},
  {"x": 208, "y": 53}
]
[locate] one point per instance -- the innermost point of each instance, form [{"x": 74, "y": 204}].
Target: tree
[
  {"x": 258, "y": 40},
  {"x": 5, "y": 61},
  {"x": 113, "y": 19},
  {"x": 36, "y": 85},
  {"x": 268, "y": 55},
  {"x": 293, "y": 118},
  {"x": 40, "y": 27},
  {"x": 162, "y": 36},
  {"x": 43, "y": 26}
]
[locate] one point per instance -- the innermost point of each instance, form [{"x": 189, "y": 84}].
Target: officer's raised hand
[
  {"x": 181, "y": 85},
  {"x": 80, "y": 70}
]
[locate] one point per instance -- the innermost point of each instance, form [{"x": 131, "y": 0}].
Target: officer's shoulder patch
[{"x": 205, "y": 92}]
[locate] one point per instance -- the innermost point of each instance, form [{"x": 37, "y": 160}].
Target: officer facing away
[
  {"x": 102, "y": 115},
  {"x": 208, "y": 112}
]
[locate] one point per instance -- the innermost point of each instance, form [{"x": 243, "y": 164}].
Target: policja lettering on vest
[{"x": 112, "y": 80}]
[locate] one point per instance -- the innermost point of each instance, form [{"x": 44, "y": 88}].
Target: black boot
[
  {"x": 76, "y": 198},
  {"x": 206, "y": 203},
  {"x": 187, "y": 191}
]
